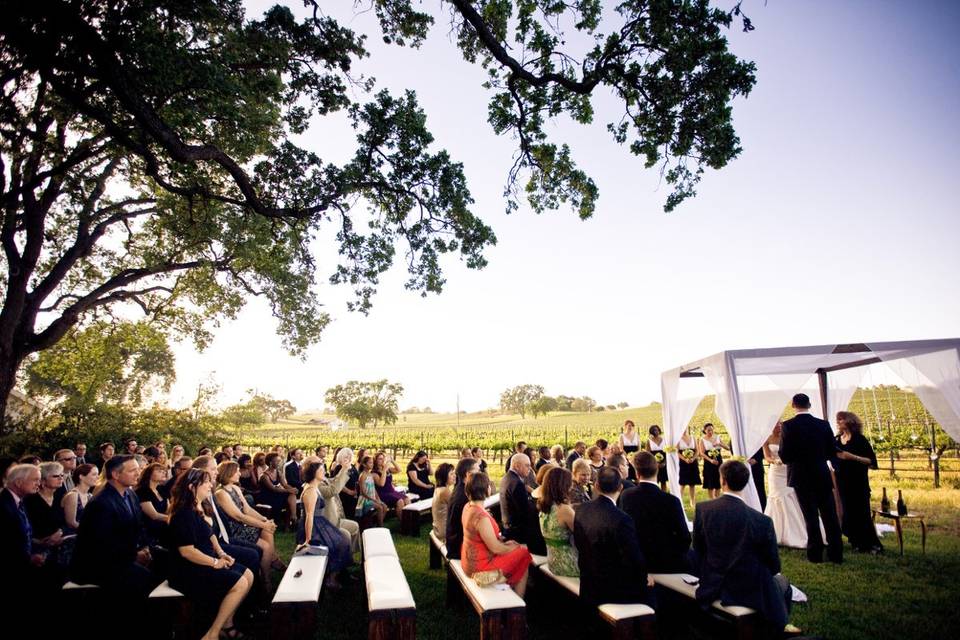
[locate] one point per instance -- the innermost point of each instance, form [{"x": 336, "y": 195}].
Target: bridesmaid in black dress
[
  {"x": 687, "y": 453},
  {"x": 201, "y": 570},
  {"x": 855, "y": 457}
]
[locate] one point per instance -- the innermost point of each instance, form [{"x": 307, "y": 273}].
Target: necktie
[{"x": 27, "y": 529}]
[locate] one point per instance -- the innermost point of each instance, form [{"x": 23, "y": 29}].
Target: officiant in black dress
[{"x": 855, "y": 458}]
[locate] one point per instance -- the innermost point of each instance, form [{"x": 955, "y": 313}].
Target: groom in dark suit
[{"x": 806, "y": 445}]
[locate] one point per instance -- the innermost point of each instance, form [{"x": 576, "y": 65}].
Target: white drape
[{"x": 680, "y": 402}]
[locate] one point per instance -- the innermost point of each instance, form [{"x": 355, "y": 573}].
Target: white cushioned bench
[
  {"x": 293, "y": 611},
  {"x": 438, "y": 551},
  {"x": 411, "y": 515},
  {"x": 391, "y": 611},
  {"x": 745, "y": 620},
  {"x": 503, "y": 614},
  {"x": 377, "y": 541},
  {"x": 626, "y": 620}
]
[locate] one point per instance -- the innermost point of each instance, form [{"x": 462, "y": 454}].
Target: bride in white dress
[{"x": 782, "y": 505}]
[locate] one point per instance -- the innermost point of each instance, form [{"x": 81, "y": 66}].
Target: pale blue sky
[{"x": 839, "y": 222}]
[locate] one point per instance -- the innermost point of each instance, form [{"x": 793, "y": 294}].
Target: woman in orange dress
[{"x": 483, "y": 549}]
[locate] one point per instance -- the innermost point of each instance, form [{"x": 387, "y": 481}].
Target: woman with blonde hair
[
  {"x": 556, "y": 455},
  {"x": 581, "y": 489}
]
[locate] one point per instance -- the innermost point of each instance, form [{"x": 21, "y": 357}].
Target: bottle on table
[
  {"x": 885, "y": 502},
  {"x": 901, "y": 505}
]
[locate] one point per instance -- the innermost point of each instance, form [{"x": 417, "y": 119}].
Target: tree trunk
[{"x": 8, "y": 377}]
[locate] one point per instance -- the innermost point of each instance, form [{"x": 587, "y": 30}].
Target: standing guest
[
  {"x": 43, "y": 508},
  {"x": 291, "y": 470},
  {"x": 202, "y": 570},
  {"x": 807, "y": 446},
  {"x": 418, "y": 476},
  {"x": 520, "y": 521},
  {"x": 314, "y": 529},
  {"x": 478, "y": 455},
  {"x": 84, "y": 478},
  {"x": 756, "y": 470},
  {"x": 275, "y": 492},
  {"x": 710, "y": 446},
  {"x": 153, "y": 506},
  {"x": 689, "y": 457},
  {"x": 519, "y": 448},
  {"x": 543, "y": 455},
  {"x": 619, "y": 462},
  {"x": 579, "y": 450},
  {"x": 655, "y": 447},
  {"x": 482, "y": 548},
  {"x": 582, "y": 489},
  {"x": 556, "y": 522},
  {"x": 181, "y": 466},
  {"x": 68, "y": 460},
  {"x": 612, "y": 568},
  {"x": 629, "y": 438},
  {"x": 107, "y": 451},
  {"x": 855, "y": 457},
  {"x": 81, "y": 450},
  {"x": 556, "y": 455},
  {"x": 737, "y": 547},
  {"x": 445, "y": 479},
  {"x": 383, "y": 469},
  {"x": 108, "y": 551},
  {"x": 370, "y": 508},
  {"x": 331, "y": 488},
  {"x": 466, "y": 468},
  {"x": 248, "y": 482},
  {"x": 658, "y": 519},
  {"x": 20, "y": 561},
  {"x": 595, "y": 459}
]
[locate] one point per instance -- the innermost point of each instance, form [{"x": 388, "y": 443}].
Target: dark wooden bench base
[{"x": 393, "y": 624}]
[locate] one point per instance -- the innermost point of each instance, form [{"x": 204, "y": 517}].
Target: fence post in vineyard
[
  {"x": 893, "y": 469},
  {"x": 566, "y": 440}
]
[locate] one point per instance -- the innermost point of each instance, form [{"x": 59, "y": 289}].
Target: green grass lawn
[{"x": 887, "y": 596}]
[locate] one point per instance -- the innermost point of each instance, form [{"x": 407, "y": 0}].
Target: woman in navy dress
[
  {"x": 201, "y": 570},
  {"x": 314, "y": 529}
]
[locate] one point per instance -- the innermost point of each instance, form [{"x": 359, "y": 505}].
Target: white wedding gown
[{"x": 783, "y": 508}]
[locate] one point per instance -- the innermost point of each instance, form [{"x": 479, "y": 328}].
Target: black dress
[
  {"x": 199, "y": 583},
  {"x": 348, "y": 501},
  {"x": 423, "y": 475},
  {"x": 45, "y": 518},
  {"x": 156, "y": 530},
  {"x": 689, "y": 471},
  {"x": 853, "y": 485},
  {"x": 711, "y": 472}
]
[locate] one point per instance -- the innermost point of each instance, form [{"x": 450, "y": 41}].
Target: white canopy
[{"x": 752, "y": 387}]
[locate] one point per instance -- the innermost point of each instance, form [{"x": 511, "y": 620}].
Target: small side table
[{"x": 898, "y": 523}]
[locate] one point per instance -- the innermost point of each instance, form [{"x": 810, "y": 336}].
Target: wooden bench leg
[
  {"x": 435, "y": 557},
  {"x": 410, "y": 523},
  {"x": 504, "y": 624},
  {"x": 392, "y": 625},
  {"x": 455, "y": 595},
  {"x": 293, "y": 620},
  {"x": 748, "y": 627}
]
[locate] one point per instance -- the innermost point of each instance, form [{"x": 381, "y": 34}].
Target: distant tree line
[{"x": 530, "y": 398}]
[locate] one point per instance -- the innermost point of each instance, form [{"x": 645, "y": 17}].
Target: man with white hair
[
  {"x": 520, "y": 519},
  {"x": 17, "y": 557}
]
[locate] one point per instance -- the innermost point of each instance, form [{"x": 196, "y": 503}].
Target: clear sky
[{"x": 838, "y": 223}]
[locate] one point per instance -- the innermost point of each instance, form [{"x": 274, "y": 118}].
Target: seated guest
[
  {"x": 541, "y": 474},
  {"x": 84, "y": 478},
  {"x": 109, "y": 551},
  {"x": 244, "y": 525},
  {"x": 370, "y": 508},
  {"x": 30, "y": 459},
  {"x": 482, "y": 549},
  {"x": 577, "y": 453},
  {"x": 181, "y": 466},
  {"x": 248, "y": 481},
  {"x": 737, "y": 547},
  {"x": 107, "y": 451},
  {"x": 202, "y": 570},
  {"x": 321, "y": 455},
  {"x": 383, "y": 469},
  {"x": 612, "y": 568},
  {"x": 348, "y": 492},
  {"x": 331, "y": 488},
  {"x": 466, "y": 467},
  {"x": 556, "y": 455},
  {"x": 478, "y": 456},
  {"x": 418, "y": 476},
  {"x": 68, "y": 460},
  {"x": 519, "y": 514},
  {"x": 441, "y": 498},
  {"x": 618, "y": 461},
  {"x": 275, "y": 491},
  {"x": 543, "y": 455},
  {"x": 658, "y": 518},
  {"x": 315, "y": 530},
  {"x": 581, "y": 490},
  {"x": 292, "y": 470},
  {"x": 153, "y": 506},
  {"x": 519, "y": 448},
  {"x": 556, "y": 522},
  {"x": 20, "y": 561},
  {"x": 595, "y": 458},
  {"x": 44, "y": 511},
  {"x": 531, "y": 479},
  {"x": 152, "y": 454},
  {"x": 81, "y": 451}
]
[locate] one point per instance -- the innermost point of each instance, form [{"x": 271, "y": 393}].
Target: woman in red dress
[{"x": 483, "y": 549}]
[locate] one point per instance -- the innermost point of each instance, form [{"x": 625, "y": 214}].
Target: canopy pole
[{"x": 822, "y": 380}]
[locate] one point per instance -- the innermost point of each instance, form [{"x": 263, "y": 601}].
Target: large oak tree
[{"x": 148, "y": 155}]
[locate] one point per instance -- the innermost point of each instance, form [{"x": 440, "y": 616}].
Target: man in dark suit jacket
[
  {"x": 466, "y": 467},
  {"x": 756, "y": 470},
  {"x": 20, "y": 564},
  {"x": 659, "y": 520},
  {"x": 291, "y": 470},
  {"x": 579, "y": 449},
  {"x": 520, "y": 519},
  {"x": 612, "y": 568},
  {"x": 737, "y": 547},
  {"x": 619, "y": 462},
  {"x": 109, "y": 550},
  {"x": 806, "y": 446}
]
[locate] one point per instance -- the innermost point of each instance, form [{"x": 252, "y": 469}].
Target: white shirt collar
[
  {"x": 799, "y": 411},
  {"x": 735, "y": 495}
]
